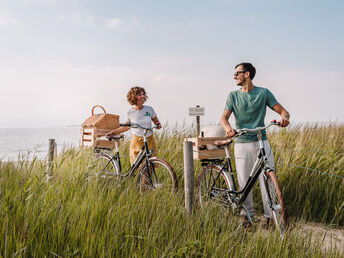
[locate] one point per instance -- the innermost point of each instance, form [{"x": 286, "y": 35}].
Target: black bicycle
[
  {"x": 216, "y": 182},
  {"x": 153, "y": 172}
]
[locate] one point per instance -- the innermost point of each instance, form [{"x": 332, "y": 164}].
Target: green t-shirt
[{"x": 249, "y": 110}]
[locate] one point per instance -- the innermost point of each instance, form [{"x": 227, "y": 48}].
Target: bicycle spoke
[
  {"x": 104, "y": 166},
  {"x": 161, "y": 176},
  {"x": 212, "y": 187}
]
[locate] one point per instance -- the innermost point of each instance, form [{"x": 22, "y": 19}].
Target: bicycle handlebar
[
  {"x": 257, "y": 129},
  {"x": 133, "y": 125}
]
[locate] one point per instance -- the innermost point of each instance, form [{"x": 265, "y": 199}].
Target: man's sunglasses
[{"x": 237, "y": 73}]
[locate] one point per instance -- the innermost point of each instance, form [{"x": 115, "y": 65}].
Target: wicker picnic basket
[{"x": 96, "y": 126}]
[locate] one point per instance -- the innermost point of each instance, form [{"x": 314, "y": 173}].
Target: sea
[{"x": 27, "y": 143}]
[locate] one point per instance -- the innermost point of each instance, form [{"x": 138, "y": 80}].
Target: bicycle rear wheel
[
  {"x": 278, "y": 210},
  {"x": 104, "y": 166},
  {"x": 160, "y": 174},
  {"x": 213, "y": 187}
]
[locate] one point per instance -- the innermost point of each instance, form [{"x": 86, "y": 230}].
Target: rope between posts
[
  {"x": 311, "y": 169},
  {"x": 291, "y": 165},
  {"x": 36, "y": 149}
]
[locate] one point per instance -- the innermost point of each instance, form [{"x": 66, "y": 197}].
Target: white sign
[{"x": 196, "y": 111}]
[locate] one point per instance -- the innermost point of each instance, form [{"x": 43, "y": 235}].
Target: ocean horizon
[{"x": 29, "y": 142}]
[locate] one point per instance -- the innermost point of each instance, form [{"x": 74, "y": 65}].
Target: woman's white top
[{"x": 142, "y": 117}]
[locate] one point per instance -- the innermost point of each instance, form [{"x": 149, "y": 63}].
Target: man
[{"x": 249, "y": 108}]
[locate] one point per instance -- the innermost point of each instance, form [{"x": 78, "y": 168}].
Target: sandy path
[{"x": 328, "y": 237}]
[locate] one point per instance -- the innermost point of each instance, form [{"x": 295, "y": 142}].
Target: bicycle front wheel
[
  {"x": 105, "y": 166},
  {"x": 160, "y": 174},
  {"x": 278, "y": 210},
  {"x": 213, "y": 187}
]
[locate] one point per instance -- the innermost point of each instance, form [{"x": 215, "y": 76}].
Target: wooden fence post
[
  {"x": 188, "y": 176},
  {"x": 50, "y": 166},
  {"x": 197, "y": 123}
]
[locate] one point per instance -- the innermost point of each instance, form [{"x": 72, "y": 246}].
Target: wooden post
[
  {"x": 55, "y": 150},
  {"x": 197, "y": 123},
  {"x": 188, "y": 176},
  {"x": 50, "y": 159}
]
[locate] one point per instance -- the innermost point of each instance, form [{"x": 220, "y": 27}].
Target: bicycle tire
[
  {"x": 211, "y": 192},
  {"x": 105, "y": 166},
  {"x": 164, "y": 176},
  {"x": 279, "y": 212}
]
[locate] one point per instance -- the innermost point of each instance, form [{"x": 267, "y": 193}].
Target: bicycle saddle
[{"x": 114, "y": 137}]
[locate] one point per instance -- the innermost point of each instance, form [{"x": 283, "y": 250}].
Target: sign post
[{"x": 197, "y": 111}]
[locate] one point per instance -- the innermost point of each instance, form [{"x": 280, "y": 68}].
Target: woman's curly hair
[{"x": 133, "y": 93}]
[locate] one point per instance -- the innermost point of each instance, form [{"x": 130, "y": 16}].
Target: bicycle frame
[
  {"x": 216, "y": 183},
  {"x": 260, "y": 165},
  {"x": 144, "y": 154}
]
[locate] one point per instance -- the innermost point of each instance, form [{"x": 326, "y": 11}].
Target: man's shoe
[
  {"x": 267, "y": 223},
  {"x": 245, "y": 222}
]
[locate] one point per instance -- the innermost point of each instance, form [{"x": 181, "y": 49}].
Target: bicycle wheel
[
  {"x": 278, "y": 210},
  {"x": 160, "y": 174},
  {"x": 213, "y": 187},
  {"x": 104, "y": 166}
]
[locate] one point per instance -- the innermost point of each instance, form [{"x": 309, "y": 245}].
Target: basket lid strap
[{"x": 97, "y": 106}]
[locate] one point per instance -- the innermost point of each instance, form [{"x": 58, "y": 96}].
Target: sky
[{"x": 59, "y": 58}]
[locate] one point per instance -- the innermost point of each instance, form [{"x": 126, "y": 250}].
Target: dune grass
[{"x": 73, "y": 216}]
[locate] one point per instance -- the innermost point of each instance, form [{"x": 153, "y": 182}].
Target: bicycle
[
  {"x": 153, "y": 173},
  {"x": 216, "y": 182}
]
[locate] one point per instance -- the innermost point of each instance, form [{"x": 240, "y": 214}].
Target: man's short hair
[{"x": 249, "y": 68}]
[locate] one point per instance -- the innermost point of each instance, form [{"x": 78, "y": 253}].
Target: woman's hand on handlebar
[
  {"x": 156, "y": 122},
  {"x": 118, "y": 130},
  {"x": 158, "y": 125}
]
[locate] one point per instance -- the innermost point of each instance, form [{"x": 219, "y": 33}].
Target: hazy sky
[{"x": 58, "y": 58}]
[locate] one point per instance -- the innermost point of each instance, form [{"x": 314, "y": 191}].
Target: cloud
[
  {"x": 113, "y": 23},
  {"x": 6, "y": 18},
  {"x": 75, "y": 3},
  {"x": 133, "y": 24},
  {"x": 30, "y": 2},
  {"x": 137, "y": 24},
  {"x": 75, "y": 88},
  {"x": 78, "y": 17}
]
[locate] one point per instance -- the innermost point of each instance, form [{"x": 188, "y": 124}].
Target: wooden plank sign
[{"x": 196, "y": 111}]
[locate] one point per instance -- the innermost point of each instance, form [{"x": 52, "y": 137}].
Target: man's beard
[{"x": 241, "y": 83}]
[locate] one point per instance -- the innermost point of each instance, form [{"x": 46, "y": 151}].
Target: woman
[{"x": 142, "y": 115}]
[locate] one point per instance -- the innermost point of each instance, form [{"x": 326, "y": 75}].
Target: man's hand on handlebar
[
  {"x": 283, "y": 122},
  {"x": 231, "y": 132}
]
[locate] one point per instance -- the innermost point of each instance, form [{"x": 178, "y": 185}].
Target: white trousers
[{"x": 245, "y": 157}]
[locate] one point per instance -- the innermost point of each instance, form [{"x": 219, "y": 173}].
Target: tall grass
[
  {"x": 310, "y": 166},
  {"x": 72, "y": 216}
]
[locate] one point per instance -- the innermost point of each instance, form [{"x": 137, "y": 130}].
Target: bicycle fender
[{"x": 106, "y": 154}]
